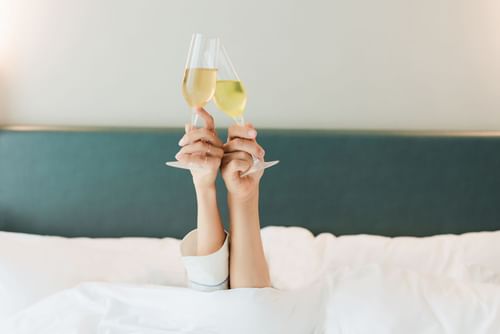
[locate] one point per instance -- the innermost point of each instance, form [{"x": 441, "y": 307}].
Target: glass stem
[
  {"x": 239, "y": 120},
  {"x": 194, "y": 118}
]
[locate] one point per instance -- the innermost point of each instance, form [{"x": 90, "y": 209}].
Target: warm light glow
[{"x": 5, "y": 30}]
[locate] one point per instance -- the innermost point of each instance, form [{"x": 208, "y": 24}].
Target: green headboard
[{"x": 113, "y": 182}]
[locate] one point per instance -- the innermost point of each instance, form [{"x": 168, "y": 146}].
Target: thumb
[{"x": 238, "y": 166}]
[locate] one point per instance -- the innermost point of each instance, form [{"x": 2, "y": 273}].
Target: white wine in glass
[
  {"x": 231, "y": 98},
  {"x": 198, "y": 86},
  {"x": 200, "y": 75}
]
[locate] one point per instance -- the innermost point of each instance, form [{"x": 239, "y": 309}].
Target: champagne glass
[
  {"x": 200, "y": 74},
  {"x": 230, "y": 97}
]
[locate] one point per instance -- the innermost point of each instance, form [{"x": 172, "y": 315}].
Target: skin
[
  {"x": 203, "y": 149},
  {"x": 247, "y": 263}
]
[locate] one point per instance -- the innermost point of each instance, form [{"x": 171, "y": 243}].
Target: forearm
[
  {"x": 210, "y": 230},
  {"x": 248, "y": 266}
]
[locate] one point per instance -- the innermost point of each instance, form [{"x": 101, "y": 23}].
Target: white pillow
[
  {"x": 296, "y": 257},
  {"x": 33, "y": 267}
]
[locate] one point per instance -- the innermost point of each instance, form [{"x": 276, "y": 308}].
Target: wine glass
[
  {"x": 230, "y": 97},
  {"x": 200, "y": 74}
]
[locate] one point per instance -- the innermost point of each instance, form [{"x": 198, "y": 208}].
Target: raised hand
[
  {"x": 203, "y": 150},
  {"x": 241, "y": 145}
]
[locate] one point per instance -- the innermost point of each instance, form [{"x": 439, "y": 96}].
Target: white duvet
[{"x": 325, "y": 284}]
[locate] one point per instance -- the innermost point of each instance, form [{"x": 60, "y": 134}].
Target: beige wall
[{"x": 428, "y": 64}]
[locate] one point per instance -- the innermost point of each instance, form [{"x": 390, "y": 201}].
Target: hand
[
  {"x": 203, "y": 150},
  {"x": 238, "y": 151}
]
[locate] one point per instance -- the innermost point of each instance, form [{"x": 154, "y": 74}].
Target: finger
[
  {"x": 204, "y": 148},
  {"x": 240, "y": 155},
  {"x": 237, "y": 131},
  {"x": 237, "y": 166},
  {"x": 199, "y": 160},
  {"x": 207, "y": 118},
  {"x": 246, "y": 145},
  {"x": 202, "y": 134}
]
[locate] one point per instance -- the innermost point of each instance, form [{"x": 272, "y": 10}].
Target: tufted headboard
[{"x": 113, "y": 182}]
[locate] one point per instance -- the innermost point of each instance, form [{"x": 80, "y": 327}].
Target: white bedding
[{"x": 351, "y": 284}]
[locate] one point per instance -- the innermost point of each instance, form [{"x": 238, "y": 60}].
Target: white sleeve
[{"x": 208, "y": 272}]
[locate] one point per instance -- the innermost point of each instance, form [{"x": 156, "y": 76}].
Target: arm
[
  {"x": 248, "y": 266},
  {"x": 211, "y": 233},
  {"x": 203, "y": 149}
]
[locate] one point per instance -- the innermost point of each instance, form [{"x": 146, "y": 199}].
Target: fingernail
[
  {"x": 252, "y": 133},
  {"x": 182, "y": 141},
  {"x": 177, "y": 156},
  {"x": 262, "y": 152}
]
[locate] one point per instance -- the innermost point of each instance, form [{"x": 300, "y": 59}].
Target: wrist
[
  {"x": 204, "y": 189},
  {"x": 243, "y": 211},
  {"x": 243, "y": 199}
]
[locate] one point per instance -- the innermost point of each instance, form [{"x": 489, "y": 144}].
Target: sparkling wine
[
  {"x": 230, "y": 97},
  {"x": 198, "y": 86}
]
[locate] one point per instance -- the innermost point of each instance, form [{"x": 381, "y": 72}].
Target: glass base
[
  {"x": 178, "y": 164},
  {"x": 257, "y": 166},
  {"x": 260, "y": 165}
]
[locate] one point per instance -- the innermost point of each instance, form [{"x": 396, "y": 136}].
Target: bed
[{"x": 365, "y": 232}]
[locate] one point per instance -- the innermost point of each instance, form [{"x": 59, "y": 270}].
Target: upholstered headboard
[{"x": 113, "y": 182}]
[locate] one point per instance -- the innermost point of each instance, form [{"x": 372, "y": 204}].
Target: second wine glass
[{"x": 231, "y": 98}]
